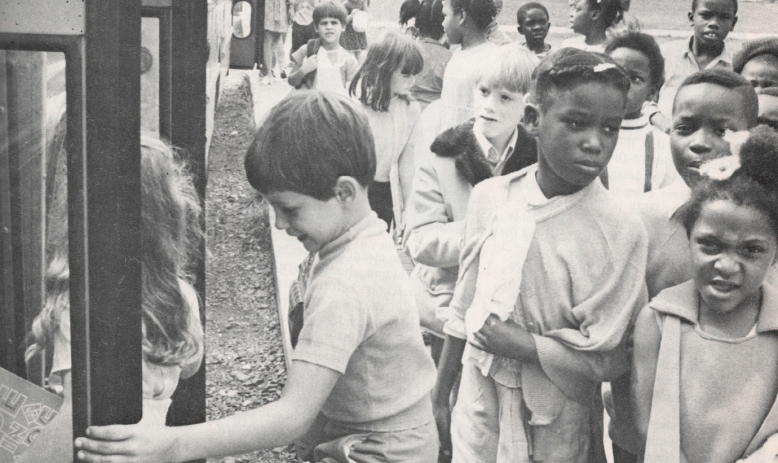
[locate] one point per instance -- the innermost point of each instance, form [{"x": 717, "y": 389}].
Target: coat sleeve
[
  {"x": 596, "y": 349},
  {"x": 433, "y": 238},
  {"x": 476, "y": 225}
]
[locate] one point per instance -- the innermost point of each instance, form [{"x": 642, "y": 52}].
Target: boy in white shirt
[
  {"x": 322, "y": 63},
  {"x": 641, "y": 161}
]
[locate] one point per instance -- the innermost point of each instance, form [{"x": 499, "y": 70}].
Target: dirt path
[{"x": 244, "y": 358}]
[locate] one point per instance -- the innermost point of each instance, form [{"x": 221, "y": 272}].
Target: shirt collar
[
  {"x": 724, "y": 57},
  {"x": 683, "y": 301},
  {"x": 532, "y": 192},
  {"x": 676, "y": 195},
  {"x": 631, "y": 124},
  {"x": 368, "y": 226},
  {"x": 490, "y": 153}
]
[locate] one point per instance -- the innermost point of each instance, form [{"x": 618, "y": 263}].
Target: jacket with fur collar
[{"x": 459, "y": 142}]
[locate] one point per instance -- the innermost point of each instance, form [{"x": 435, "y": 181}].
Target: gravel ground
[{"x": 244, "y": 358}]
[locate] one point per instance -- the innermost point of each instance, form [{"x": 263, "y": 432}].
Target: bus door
[{"x": 248, "y": 20}]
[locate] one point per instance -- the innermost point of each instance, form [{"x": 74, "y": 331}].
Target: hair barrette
[
  {"x": 602, "y": 67},
  {"x": 723, "y": 168}
]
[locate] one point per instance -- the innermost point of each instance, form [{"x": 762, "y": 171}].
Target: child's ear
[
  {"x": 531, "y": 118},
  {"x": 346, "y": 189},
  {"x": 462, "y": 17},
  {"x": 518, "y": 28},
  {"x": 734, "y": 21},
  {"x": 690, "y": 15},
  {"x": 595, "y": 15}
]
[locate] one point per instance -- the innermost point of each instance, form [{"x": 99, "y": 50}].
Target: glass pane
[
  {"x": 241, "y": 19},
  {"x": 33, "y": 209},
  {"x": 149, "y": 77}
]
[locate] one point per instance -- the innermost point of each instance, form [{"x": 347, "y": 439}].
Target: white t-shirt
[
  {"x": 459, "y": 80},
  {"x": 579, "y": 42}
]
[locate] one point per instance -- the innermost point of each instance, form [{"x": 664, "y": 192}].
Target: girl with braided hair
[
  {"x": 552, "y": 270},
  {"x": 592, "y": 19}
]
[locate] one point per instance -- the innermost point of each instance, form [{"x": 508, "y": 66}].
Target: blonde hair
[
  {"x": 171, "y": 234},
  {"x": 511, "y": 69}
]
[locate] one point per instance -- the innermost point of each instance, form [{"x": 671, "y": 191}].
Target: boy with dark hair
[
  {"x": 359, "y": 385},
  {"x": 712, "y": 21},
  {"x": 757, "y": 61},
  {"x": 322, "y": 63},
  {"x": 641, "y": 161},
  {"x": 534, "y": 23},
  {"x": 707, "y": 104}
]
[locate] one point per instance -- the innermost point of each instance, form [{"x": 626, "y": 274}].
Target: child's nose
[
  {"x": 726, "y": 264},
  {"x": 701, "y": 143},
  {"x": 593, "y": 142},
  {"x": 281, "y": 222}
]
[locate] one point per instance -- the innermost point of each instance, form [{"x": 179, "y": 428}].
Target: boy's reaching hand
[
  {"x": 127, "y": 444},
  {"x": 310, "y": 64}
]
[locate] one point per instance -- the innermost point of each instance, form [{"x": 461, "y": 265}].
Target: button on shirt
[
  {"x": 496, "y": 160},
  {"x": 680, "y": 63}
]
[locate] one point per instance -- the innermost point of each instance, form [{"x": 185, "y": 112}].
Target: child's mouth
[{"x": 723, "y": 286}]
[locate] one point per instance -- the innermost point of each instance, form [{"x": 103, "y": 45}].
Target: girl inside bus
[{"x": 172, "y": 334}]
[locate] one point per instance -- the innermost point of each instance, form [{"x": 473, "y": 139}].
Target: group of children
[{"x": 560, "y": 240}]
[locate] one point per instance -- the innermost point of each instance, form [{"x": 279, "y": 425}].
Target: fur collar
[{"x": 460, "y": 143}]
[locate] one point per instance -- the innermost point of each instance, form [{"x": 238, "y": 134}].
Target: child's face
[
  {"x": 401, "y": 84},
  {"x": 732, "y": 248},
  {"x": 638, "y": 68},
  {"x": 312, "y": 221},
  {"x": 497, "y": 111},
  {"x": 768, "y": 111},
  {"x": 577, "y": 132},
  {"x": 580, "y": 16},
  {"x": 762, "y": 72},
  {"x": 329, "y": 30},
  {"x": 534, "y": 26},
  {"x": 701, "y": 115},
  {"x": 451, "y": 25},
  {"x": 712, "y": 21}
]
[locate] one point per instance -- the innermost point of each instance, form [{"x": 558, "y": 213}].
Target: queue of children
[{"x": 560, "y": 240}]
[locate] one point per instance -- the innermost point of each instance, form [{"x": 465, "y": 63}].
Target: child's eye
[
  {"x": 720, "y": 132},
  {"x": 612, "y": 129},
  {"x": 708, "y": 246},
  {"x": 682, "y": 129},
  {"x": 505, "y": 97},
  {"x": 751, "y": 250}
]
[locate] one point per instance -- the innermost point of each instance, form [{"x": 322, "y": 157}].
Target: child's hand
[
  {"x": 131, "y": 444},
  {"x": 499, "y": 337},
  {"x": 661, "y": 122},
  {"x": 310, "y": 64}
]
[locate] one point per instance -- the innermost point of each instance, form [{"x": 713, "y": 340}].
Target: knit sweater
[
  {"x": 581, "y": 282},
  {"x": 716, "y": 420}
]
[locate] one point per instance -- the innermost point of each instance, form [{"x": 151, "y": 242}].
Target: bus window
[
  {"x": 32, "y": 167},
  {"x": 241, "y": 19},
  {"x": 149, "y": 77}
]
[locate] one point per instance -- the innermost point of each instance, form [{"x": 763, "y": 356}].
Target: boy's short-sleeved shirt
[
  {"x": 361, "y": 321},
  {"x": 348, "y": 65},
  {"x": 680, "y": 63}
]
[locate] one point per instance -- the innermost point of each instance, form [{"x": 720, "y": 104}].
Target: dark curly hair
[
  {"x": 429, "y": 19},
  {"x": 754, "y": 184},
  {"x": 647, "y": 45},
  {"x": 481, "y": 11},
  {"x": 611, "y": 10},
  {"x": 570, "y": 67}
]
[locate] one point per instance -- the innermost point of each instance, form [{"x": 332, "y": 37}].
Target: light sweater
[
  {"x": 361, "y": 321},
  {"x": 581, "y": 282},
  {"x": 723, "y": 404}
]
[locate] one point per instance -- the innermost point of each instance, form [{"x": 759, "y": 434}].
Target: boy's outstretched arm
[{"x": 275, "y": 424}]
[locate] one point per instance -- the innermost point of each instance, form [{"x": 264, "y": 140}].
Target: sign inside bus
[{"x": 24, "y": 410}]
